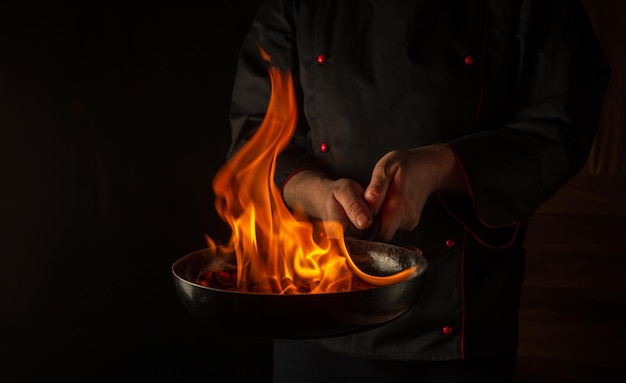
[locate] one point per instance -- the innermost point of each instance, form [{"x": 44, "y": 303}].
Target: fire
[{"x": 274, "y": 246}]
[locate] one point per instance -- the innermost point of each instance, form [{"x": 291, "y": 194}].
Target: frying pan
[{"x": 302, "y": 316}]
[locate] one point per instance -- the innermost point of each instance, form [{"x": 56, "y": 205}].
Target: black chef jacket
[{"x": 513, "y": 87}]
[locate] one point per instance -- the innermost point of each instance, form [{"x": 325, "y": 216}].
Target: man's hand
[
  {"x": 402, "y": 180},
  {"x": 328, "y": 200}
]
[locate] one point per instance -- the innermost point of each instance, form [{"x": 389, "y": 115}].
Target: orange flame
[{"x": 277, "y": 249}]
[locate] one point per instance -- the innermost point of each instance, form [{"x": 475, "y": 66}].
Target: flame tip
[{"x": 278, "y": 250}]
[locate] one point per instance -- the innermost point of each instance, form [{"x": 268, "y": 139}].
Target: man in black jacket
[{"x": 452, "y": 121}]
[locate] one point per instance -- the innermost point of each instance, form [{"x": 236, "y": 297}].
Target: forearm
[{"x": 297, "y": 191}]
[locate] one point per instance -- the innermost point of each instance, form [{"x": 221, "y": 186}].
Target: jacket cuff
[
  {"x": 293, "y": 173},
  {"x": 463, "y": 208}
]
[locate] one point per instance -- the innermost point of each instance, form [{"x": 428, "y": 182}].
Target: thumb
[{"x": 377, "y": 190}]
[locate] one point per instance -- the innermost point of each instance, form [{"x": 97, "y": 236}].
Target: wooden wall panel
[
  {"x": 607, "y": 156},
  {"x": 600, "y": 187},
  {"x": 573, "y": 303}
]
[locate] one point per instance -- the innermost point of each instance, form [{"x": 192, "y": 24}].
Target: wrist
[
  {"x": 296, "y": 190},
  {"x": 450, "y": 176}
]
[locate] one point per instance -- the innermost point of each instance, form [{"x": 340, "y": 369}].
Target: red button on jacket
[{"x": 449, "y": 243}]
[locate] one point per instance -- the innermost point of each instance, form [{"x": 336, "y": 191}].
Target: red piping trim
[
  {"x": 471, "y": 193},
  {"x": 482, "y": 65},
  {"x": 293, "y": 173},
  {"x": 478, "y": 239},
  {"x": 462, "y": 167},
  {"x": 463, "y": 299}
]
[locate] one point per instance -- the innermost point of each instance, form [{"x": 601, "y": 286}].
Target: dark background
[{"x": 113, "y": 121}]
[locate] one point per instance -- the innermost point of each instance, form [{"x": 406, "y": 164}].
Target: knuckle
[{"x": 353, "y": 206}]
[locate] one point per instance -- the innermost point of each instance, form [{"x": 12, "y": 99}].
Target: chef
[{"x": 448, "y": 122}]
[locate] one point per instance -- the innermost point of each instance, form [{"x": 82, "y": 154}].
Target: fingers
[
  {"x": 389, "y": 224},
  {"x": 350, "y": 197},
  {"x": 381, "y": 198},
  {"x": 378, "y": 188},
  {"x": 396, "y": 192}
]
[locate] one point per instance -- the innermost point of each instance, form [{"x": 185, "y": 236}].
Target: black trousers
[{"x": 298, "y": 361}]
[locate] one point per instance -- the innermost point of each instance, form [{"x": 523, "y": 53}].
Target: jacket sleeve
[
  {"x": 272, "y": 30},
  {"x": 513, "y": 168}
]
